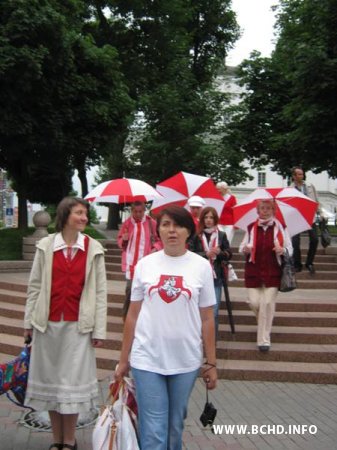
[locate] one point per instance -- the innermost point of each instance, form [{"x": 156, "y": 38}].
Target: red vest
[
  {"x": 266, "y": 270},
  {"x": 68, "y": 279}
]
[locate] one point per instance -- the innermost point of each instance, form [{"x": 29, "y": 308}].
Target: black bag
[
  {"x": 209, "y": 413},
  {"x": 288, "y": 278},
  {"x": 325, "y": 234}
]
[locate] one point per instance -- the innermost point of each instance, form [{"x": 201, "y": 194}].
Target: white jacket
[{"x": 93, "y": 302}]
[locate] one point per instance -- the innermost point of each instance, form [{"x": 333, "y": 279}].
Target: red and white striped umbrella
[
  {"x": 178, "y": 189},
  {"x": 122, "y": 190},
  {"x": 293, "y": 209}
]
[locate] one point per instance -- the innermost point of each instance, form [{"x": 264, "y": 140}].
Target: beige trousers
[{"x": 262, "y": 303}]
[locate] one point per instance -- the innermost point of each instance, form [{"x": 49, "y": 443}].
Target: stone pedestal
[{"x": 41, "y": 220}]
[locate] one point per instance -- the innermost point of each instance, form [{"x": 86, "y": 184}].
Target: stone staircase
[{"x": 304, "y": 334}]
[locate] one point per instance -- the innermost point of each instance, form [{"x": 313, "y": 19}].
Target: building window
[{"x": 261, "y": 179}]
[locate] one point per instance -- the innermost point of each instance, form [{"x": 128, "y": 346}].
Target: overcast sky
[{"x": 256, "y": 20}]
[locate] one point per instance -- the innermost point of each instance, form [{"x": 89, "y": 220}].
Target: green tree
[
  {"x": 170, "y": 53},
  {"x": 289, "y": 110},
  {"x": 62, "y": 97}
]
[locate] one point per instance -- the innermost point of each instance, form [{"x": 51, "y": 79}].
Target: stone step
[
  {"x": 286, "y": 304},
  {"x": 304, "y": 275},
  {"x": 319, "y": 266},
  {"x": 311, "y": 283},
  {"x": 318, "y": 258},
  {"x": 113, "y": 267},
  {"x": 17, "y": 286},
  {"x": 263, "y": 369},
  {"x": 13, "y": 327},
  {"x": 312, "y": 353},
  {"x": 225, "y": 350},
  {"x": 304, "y": 335},
  {"x": 302, "y": 331},
  {"x": 113, "y": 259},
  {"x": 115, "y": 276},
  {"x": 113, "y": 251},
  {"x": 115, "y": 303},
  {"x": 277, "y": 371},
  {"x": 281, "y": 334},
  {"x": 285, "y": 318},
  {"x": 241, "y": 317}
]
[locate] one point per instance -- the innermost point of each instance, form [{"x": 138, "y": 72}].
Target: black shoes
[
  {"x": 264, "y": 348},
  {"x": 311, "y": 268}
]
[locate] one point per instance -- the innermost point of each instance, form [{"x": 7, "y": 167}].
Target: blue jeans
[
  {"x": 162, "y": 407},
  {"x": 216, "y": 307}
]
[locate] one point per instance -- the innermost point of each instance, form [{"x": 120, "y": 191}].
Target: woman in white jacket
[{"x": 66, "y": 318}]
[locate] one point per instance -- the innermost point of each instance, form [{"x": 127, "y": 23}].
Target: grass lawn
[{"x": 11, "y": 241}]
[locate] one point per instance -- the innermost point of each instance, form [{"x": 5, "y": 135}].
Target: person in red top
[
  {"x": 226, "y": 218},
  {"x": 136, "y": 238},
  {"x": 263, "y": 244},
  {"x": 65, "y": 315}
]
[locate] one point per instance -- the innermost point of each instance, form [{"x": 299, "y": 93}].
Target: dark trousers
[
  {"x": 127, "y": 298},
  {"x": 313, "y": 242}
]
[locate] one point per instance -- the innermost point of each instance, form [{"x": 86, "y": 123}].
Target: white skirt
[{"x": 62, "y": 370}]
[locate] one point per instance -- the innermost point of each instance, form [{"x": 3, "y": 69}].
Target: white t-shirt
[{"x": 168, "y": 330}]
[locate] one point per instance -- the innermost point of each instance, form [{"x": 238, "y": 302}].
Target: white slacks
[{"x": 262, "y": 302}]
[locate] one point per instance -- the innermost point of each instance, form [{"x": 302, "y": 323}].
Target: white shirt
[
  {"x": 168, "y": 330},
  {"x": 59, "y": 244}
]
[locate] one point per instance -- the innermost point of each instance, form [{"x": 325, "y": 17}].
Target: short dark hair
[
  {"x": 293, "y": 171},
  {"x": 64, "y": 209},
  {"x": 180, "y": 216},
  {"x": 205, "y": 211}
]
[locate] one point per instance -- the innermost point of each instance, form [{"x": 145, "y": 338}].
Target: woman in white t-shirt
[{"x": 169, "y": 322}]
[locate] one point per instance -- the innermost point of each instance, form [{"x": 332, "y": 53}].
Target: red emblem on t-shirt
[{"x": 170, "y": 287}]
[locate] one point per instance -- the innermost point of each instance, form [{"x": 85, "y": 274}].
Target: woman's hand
[
  {"x": 28, "y": 334},
  {"x": 121, "y": 371},
  {"x": 210, "y": 376},
  {"x": 247, "y": 249},
  {"x": 97, "y": 342},
  {"x": 278, "y": 249}
]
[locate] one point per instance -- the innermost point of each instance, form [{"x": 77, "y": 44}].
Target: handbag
[
  {"x": 325, "y": 234},
  {"x": 231, "y": 273},
  {"x": 115, "y": 428},
  {"x": 14, "y": 376},
  {"x": 209, "y": 413},
  {"x": 228, "y": 271},
  {"x": 288, "y": 278}
]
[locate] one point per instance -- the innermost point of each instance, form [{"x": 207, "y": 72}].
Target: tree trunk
[
  {"x": 23, "y": 211},
  {"x": 82, "y": 175},
  {"x": 113, "y": 217}
]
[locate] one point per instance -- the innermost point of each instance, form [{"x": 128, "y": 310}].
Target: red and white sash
[
  {"x": 211, "y": 244},
  {"x": 135, "y": 247},
  {"x": 278, "y": 234}
]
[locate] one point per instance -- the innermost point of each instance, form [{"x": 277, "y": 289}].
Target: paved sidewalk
[{"x": 288, "y": 416}]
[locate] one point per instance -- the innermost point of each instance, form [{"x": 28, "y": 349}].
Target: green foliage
[
  {"x": 289, "y": 111},
  {"x": 93, "y": 217},
  {"x": 11, "y": 243},
  {"x": 62, "y": 97},
  {"x": 11, "y": 240},
  {"x": 170, "y": 54}
]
